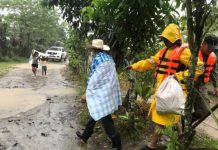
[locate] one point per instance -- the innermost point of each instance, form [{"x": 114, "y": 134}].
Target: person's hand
[
  {"x": 175, "y": 77},
  {"x": 128, "y": 67}
]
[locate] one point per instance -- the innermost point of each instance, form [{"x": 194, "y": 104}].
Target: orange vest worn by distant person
[
  {"x": 208, "y": 65},
  {"x": 172, "y": 62}
]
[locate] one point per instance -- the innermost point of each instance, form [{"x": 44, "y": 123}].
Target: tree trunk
[{"x": 194, "y": 45}]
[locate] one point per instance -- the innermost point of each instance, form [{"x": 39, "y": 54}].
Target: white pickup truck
[{"x": 56, "y": 53}]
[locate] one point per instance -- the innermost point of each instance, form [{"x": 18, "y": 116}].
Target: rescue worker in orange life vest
[
  {"x": 172, "y": 59},
  {"x": 207, "y": 55}
]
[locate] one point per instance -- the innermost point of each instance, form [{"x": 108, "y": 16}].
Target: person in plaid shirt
[{"x": 103, "y": 94}]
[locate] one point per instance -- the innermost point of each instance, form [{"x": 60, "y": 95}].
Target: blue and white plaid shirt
[{"x": 103, "y": 91}]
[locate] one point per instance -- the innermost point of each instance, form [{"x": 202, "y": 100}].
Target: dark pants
[
  {"x": 108, "y": 125},
  {"x": 200, "y": 106}
]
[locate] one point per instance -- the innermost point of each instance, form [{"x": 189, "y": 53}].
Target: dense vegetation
[{"x": 25, "y": 25}]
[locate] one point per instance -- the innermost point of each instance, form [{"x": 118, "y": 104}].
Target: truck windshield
[{"x": 55, "y": 49}]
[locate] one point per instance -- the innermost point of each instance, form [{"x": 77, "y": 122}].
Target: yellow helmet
[{"x": 172, "y": 33}]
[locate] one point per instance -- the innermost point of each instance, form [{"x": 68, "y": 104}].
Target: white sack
[{"x": 170, "y": 98}]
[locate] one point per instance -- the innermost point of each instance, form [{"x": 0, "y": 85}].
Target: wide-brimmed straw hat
[{"x": 99, "y": 44}]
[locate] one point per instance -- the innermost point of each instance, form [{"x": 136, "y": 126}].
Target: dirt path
[
  {"x": 209, "y": 126},
  {"x": 37, "y": 113}
]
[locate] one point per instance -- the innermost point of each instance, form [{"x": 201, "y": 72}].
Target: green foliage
[
  {"x": 212, "y": 21},
  {"x": 29, "y": 25},
  {"x": 133, "y": 24},
  {"x": 83, "y": 115},
  {"x": 4, "y": 67},
  {"x": 122, "y": 24},
  {"x": 6, "y": 63},
  {"x": 144, "y": 84},
  {"x": 70, "y": 8},
  {"x": 78, "y": 54},
  {"x": 124, "y": 121},
  {"x": 173, "y": 143}
]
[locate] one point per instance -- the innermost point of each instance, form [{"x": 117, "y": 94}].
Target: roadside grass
[
  {"x": 7, "y": 63},
  {"x": 202, "y": 140}
]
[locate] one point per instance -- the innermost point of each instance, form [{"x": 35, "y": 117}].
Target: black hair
[
  {"x": 43, "y": 58},
  {"x": 211, "y": 40},
  {"x": 36, "y": 53}
]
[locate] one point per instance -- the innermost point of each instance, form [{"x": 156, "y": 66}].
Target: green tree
[
  {"x": 122, "y": 24},
  {"x": 32, "y": 25},
  {"x": 3, "y": 29},
  {"x": 197, "y": 15}
]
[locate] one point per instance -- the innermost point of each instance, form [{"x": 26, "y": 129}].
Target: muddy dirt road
[
  {"x": 209, "y": 126},
  {"x": 37, "y": 113}
]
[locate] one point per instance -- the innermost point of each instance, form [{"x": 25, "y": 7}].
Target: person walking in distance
[
  {"x": 35, "y": 61},
  {"x": 44, "y": 65}
]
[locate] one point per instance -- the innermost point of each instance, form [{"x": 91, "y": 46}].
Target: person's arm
[
  {"x": 185, "y": 60},
  {"x": 33, "y": 51},
  {"x": 214, "y": 78},
  {"x": 147, "y": 64}
]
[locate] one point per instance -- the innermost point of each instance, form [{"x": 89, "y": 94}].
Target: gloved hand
[{"x": 175, "y": 77}]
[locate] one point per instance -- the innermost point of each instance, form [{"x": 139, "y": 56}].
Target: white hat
[{"x": 99, "y": 44}]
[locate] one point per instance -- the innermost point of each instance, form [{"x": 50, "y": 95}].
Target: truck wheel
[{"x": 61, "y": 59}]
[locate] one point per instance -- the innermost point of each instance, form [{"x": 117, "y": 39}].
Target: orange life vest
[
  {"x": 172, "y": 61},
  {"x": 208, "y": 65}
]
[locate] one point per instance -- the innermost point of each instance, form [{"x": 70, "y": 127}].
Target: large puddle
[{"x": 14, "y": 101}]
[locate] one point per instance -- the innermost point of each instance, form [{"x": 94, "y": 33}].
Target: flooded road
[{"x": 37, "y": 113}]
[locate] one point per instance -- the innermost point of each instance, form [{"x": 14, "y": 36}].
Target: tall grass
[{"x": 6, "y": 63}]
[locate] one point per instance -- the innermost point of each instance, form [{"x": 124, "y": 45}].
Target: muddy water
[{"x": 14, "y": 101}]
